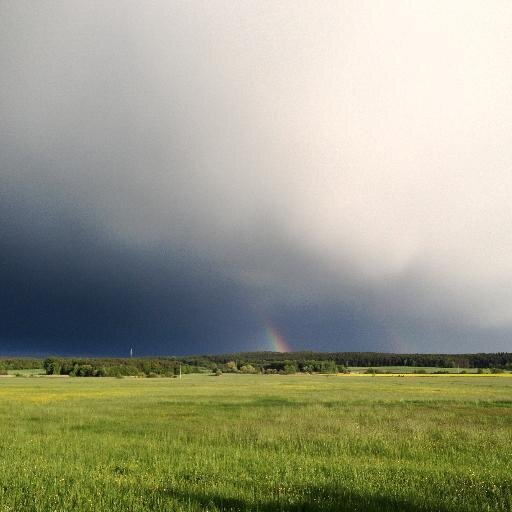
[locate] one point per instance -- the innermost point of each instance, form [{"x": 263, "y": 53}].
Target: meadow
[
  {"x": 256, "y": 442},
  {"x": 412, "y": 369}
]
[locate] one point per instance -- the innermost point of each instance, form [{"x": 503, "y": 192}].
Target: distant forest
[{"x": 251, "y": 362}]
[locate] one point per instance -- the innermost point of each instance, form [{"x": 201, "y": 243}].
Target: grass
[
  {"x": 412, "y": 369},
  {"x": 27, "y": 372},
  {"x": 261, "y": 443}
]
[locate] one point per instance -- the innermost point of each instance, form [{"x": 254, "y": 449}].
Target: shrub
[
  {"x": 85, "y": 370},
  {"x": 231, "y": 367},
  {"x": 52, "y": 366},
  {"x": 328, "y": 367},
  {"x": 289, "y": 368},
  {"x": 248, "y": 368},
  {"x": 101, "y": 372},
  {"x": 121, "y": 369}
]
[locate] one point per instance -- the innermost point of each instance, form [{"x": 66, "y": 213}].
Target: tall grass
[{"x": 240, "y": 442}]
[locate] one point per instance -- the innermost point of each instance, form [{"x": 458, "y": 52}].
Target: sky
[{"x": 205, "y": 177}]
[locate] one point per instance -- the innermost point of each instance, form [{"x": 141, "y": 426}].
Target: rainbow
[{"x": 279, "y": 344}]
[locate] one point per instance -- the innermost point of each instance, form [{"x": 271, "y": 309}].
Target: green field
[
  {"x": 27, "y": 372},
  {"x": 241, "y": 442},
  {"x": 412, "y": 369}
]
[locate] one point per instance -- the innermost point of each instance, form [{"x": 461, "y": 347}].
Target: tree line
[
  {"x": 251, "y": 362},
  {"x": 367, "y": 359}
]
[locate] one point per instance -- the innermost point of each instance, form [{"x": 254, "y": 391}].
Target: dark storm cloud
[
  {"x": 176, "y": 176},
  {"x": 69, "y": 288}
]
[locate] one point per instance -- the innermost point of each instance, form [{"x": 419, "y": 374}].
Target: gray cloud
[{"x": 342, "y": 169}]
